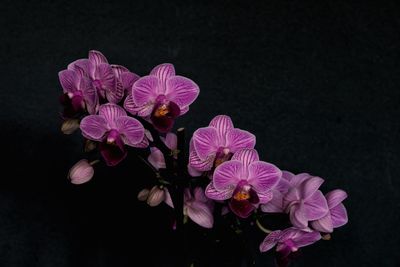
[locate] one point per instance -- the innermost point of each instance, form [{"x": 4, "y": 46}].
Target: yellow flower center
[{"x": 161, "y": 111}]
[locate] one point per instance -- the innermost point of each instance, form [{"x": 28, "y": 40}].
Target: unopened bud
[
  {"x": 90, "y": 145},
  {"x": 156, "y": 196},
  {"x": 81, "y": 172},
  {"x": 69, "y": 126},
  {"x": 143, "y": 194}
]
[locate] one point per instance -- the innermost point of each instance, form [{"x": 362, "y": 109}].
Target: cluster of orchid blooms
[{"x": 115, "y": 109}]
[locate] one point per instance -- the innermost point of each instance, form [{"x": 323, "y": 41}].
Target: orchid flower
[
  {"x": 245, "y": 180},
  {"x": 156, "y": 157},
  {"x": 196, "y": 206},
  {"x": 304, "y": 202},
  {"x": 337, "y": 215},
  {"x": 114, "y": 129},
  {"x": 102, "y": 76},
  {"x": 289, "y": 240},
  {"x": 79, "y": 94},
  {"x": 161, "y": 97},
  {"x": 211, "y": 146}
]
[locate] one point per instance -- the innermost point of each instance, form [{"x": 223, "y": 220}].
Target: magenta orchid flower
[
  {"x": 289, "y": 240},
  {"x": 304, "y": 202},
  {"x": 211, "y": 146},
  {"x": 196, "y": 206},
  {"x": 125, "y": 78},
  {"x": 79, "y": 94},
  {"x": 245, "y": 180},
  {"x": 102, "y": 76},
  {"x": 161, "y": 96},
  {"x": 114, "y": 129},
  {"x": 337, "y": 215},
  {"x": 156, "y": 157}
]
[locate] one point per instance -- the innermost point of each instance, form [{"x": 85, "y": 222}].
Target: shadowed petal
[
  {"x": 199, "y": 194},
  {"x": 242, "y": 208},
  {"x": 118, "y": 70},
  {"x": 97, "y": 57},
  {"x": 204, "y": 142},
  {"x": 94, "y": 127},
  {"x": 144, "y": 90},
  {"x": 201, "y": 214},
  {"x": 171, "y": 141},
  {"x": 131, "y": 130},
  {"x": 90, "y": 95},
  {"x": 306, "y": 238},
  {"x": 270, "y": 241},
  {"x": 213, "y": 193},
  {"x": 263, "y": 176},
  {"x": 339, "y": 216},
  {"x": 113, "y": 153},
  {"x": 223, "y": 124},
  {"x": 228, "y": 174},
  {"x": 335, "y": 197},
  {"x": 315, "y": 207},
  {"x": 237, "y": 139},
  {"x": 246, "y": 156},
  {"x": 115, "y": 95},
  {"x": 265, "y": 197},
  {"x": 198, "y": 164},
  {"x": 128, "y": 79},
  {"x": 275, "y": 204},
  {"x": 297, "y": 216},
  {"x": 291, "y": 196},
  {"x": 156, "y": 158},
  {"x": 105, "y": 75},
  {"x": 181, "y": 90},
  {"x": 324, "y": 224}
]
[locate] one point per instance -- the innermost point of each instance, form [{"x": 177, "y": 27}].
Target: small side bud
[
  {"x": 69, "y": 126},
  {"x": 143, "y": 194},
  {"x": 156, "y": 196},
  {"x": 81, "y": 172}
]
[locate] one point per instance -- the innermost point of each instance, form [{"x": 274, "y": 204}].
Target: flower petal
[
  {"x": 315, "y": 207},
  {"x": 118, "y": 70},
  {"x": 204, "y": 142},
  {"x": 199, "y": 195},
  {"x": 163, "y": 72},
  {"x": 105, "y": 75},
  {"x": 309, "y": 186},
  {"x": 339, "y": 216},
  {"x": 246, "y": 156},
  {"x": 335, "y": 197},
  {"x": 275, "y": 205},
  {"x": 263, "y": 176},
  {"x": 198, "y": 164},
  {"x": 212, "y": 193},
  {"x": 115, "y": 95},
  {"x": 201, "y": 214},
  {"x": 94, "y": 127},
  {"x": 144, "y": 90},
  {"x": 324, "y": 224},
  {"x": 171, "y": 141},
  {"x": 241, "y": 208},
  {"x": 270, "y": 241},
  {"x": 223, "y": 124},
  {"x": 90, "y": 95},
  {"x": 297, "y": 216},
  {"x": 128, "y": 79},
  {"x": 298, "y": 179},
  {"x": 265, "y": 197},
  {"x": 81, "y": 66},
  {"x": 131, "y": 130},
  {"x": 291, "y": 196},
  {"x": 156, "y": 158},
  {"x": 237, "y": 139},
  {"x": 306, "y": 238},
  {"x": 111, "y": 112},
  {"x": 227, "y": 175},
  {"x": 69, "y": 80},
  {"x": 114, "y": 153},
  {"x": 181, "y": 90},
  {"x": 97, "y": 57}
]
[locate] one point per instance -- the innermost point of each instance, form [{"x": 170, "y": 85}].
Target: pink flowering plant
[{"x": 221, "y": 178}]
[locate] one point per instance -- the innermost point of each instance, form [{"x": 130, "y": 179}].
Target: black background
[{"x": 317, "y": 83}]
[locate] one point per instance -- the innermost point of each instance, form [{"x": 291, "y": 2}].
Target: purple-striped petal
[
  {"x": 145, "y": 90},
  {"x": 111, "y": 112},
  {"x": 181, "y": 90},
  {"x": 163, "y": 72},
  {"x": 270, "y": 241},
  {"x": 115, "y": 95},
  {"x": 128, "y": 79},
  {"x": 212, "y": 193},
  {"x": 223, "y": 124},
  {"x": 97, "y": 57},
  {"x": 105, "y": 75},
  {"x": 118, "y": 70},
  {"x": 263, "y": 176},
  {"x": 81, "y": 66},
  {"x": 335, "y": 197},
  {"x": 69, "y": 80},
  {"x": 275, "y": 205},
  {"x": 131, "y": 130},
  {"x": 228, "y": 174},
  {"x": 94, "y": 127},
  {"x": 198, "y": 164},
  {"x": 237, "y": 139},
  {"x": 265, "y": 197},
  {"x": 298, "y": 179},
  {"x": 90, "y": 95},
  {"x": 324, "y": 224},
  {"x": 204, "y": 142},
  {"x": 201, "y": 214},
  {"x": 246, "y": 156},
  {"x": 339, "y": 216},
  {"x": 315, "y": 207}
]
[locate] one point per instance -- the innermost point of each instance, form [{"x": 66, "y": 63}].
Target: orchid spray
[{"x": 220, "y": 178}]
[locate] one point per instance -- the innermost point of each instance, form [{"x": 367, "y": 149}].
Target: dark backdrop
[{"x": 318, "y": 84}]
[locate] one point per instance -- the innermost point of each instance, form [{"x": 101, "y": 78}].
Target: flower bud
[
  {"x": 69, "y": 126},
  {"x": 81, "y": 172},
  {"x": 156, "y": 196},
  {"x": 90, "y": 145},
  {"x": 143, "y": 194}
]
